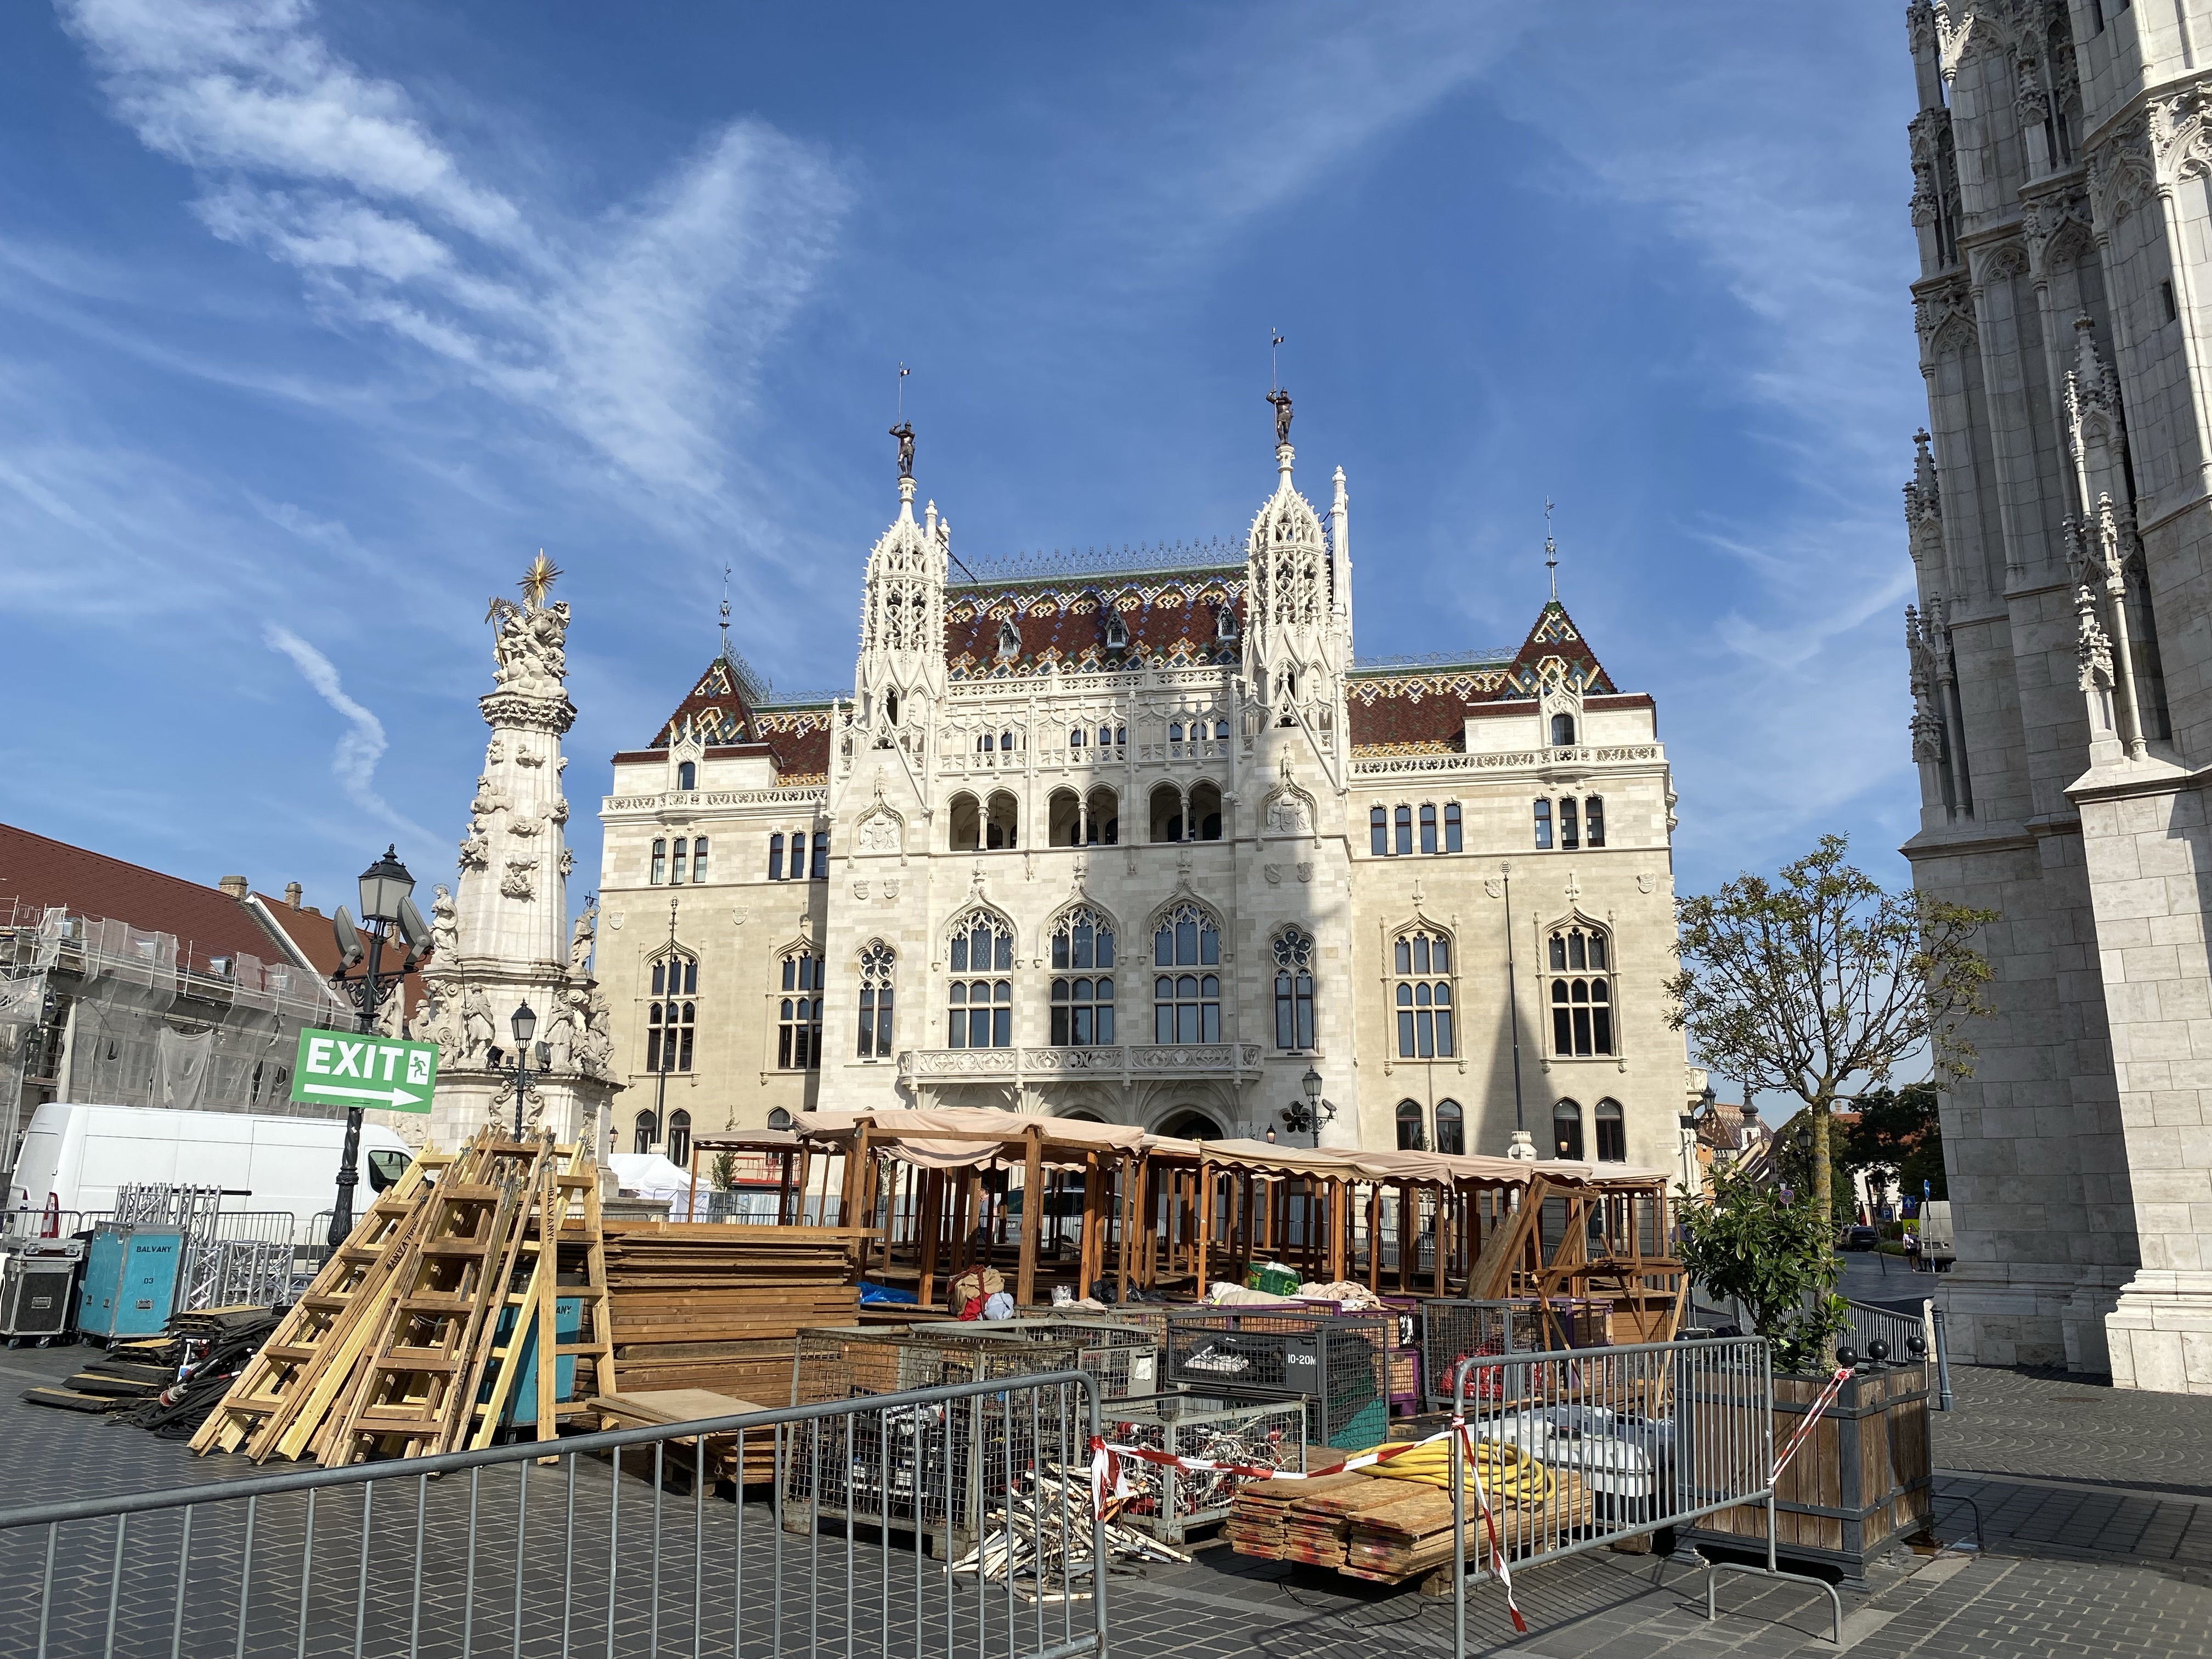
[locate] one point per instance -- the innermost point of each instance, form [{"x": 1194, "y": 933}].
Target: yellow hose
[{"x": 1509, "y": 1474}]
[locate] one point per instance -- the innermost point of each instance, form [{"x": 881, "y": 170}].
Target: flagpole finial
[{"x": 1551, "y": 550}]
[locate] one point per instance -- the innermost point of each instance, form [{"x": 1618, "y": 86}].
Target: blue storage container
[
  {"x": 130, "y": 1284},
  {"x": 568, "y": 1326}
]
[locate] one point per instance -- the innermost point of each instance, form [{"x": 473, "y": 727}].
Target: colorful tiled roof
[
  {"x": 1422, "y": 709},
  {"x": 1172, "y": 620}
]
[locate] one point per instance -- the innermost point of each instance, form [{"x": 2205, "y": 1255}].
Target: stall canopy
[{"x": 969, "y": 1138}]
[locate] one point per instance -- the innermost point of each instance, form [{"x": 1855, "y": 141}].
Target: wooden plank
[{"x": 1032, "y": 1213}]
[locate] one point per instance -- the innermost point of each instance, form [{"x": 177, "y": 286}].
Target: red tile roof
[{"x": 309, "y": 930}]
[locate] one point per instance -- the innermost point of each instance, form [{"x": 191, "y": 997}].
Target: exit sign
[{"x": 341, "y": 1068}]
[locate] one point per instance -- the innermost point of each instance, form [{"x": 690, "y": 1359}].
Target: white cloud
[{"x": 353, "y": 761}]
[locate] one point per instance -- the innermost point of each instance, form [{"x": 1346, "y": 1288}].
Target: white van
[{"x": 79, "y": 1154}]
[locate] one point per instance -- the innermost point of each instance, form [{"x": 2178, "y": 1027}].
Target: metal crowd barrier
[
  {"x": 1581, "y": 1448},
  {"x": 617, "y": 1543}
]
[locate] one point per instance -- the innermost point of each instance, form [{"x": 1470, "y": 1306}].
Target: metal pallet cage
[
  {"x": 1123, "y": 1357},
  {"x": 1337, "y": 1363},
  {"x": 1456, "y": 1328},
  {"x": 1169, "y": 1503}
]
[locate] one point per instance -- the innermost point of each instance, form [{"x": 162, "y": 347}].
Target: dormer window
[
  {"x": 890, "y": 707},
  {"x": 1117, "y": 633},
  {"x": 1563, "y": 731},
  {"x": 687, "y": 775},
  {"x": 1225, "y": 626},
  {"x": 1010, "y": 641}
]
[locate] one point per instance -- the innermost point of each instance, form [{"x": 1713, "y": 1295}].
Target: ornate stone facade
[
  {"x": 1170, "y": 757},
  {"x": 2062, "y": 716}
]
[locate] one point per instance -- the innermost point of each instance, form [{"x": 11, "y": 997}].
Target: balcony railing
[
  {"x": 1126, "y": 1061},
  {"x": 1399, "y": 765}
]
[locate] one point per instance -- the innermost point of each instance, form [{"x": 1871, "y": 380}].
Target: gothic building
[
  {"x": 1138, "y": 839},
  {"x": 2057, "y": 519}
]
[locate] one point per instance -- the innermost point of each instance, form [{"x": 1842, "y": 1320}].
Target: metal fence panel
[{"x": 615, "y": 1543}]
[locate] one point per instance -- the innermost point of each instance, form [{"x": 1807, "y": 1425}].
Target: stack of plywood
[
  {"x": 715, "y": 1307},
  {"x": 1260, "y": 1513}
]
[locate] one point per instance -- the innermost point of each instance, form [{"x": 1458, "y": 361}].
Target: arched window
[
  {"x": 1563, "y": 731},
  {"x": 1117, "y": 632},
  {"x": 676, "y": 866},
  {"x": 1064, "y": 818},
  {"x": 1421, "y": 961},
  {"x": 776, "y": 857},
  {"x": 1570, "y": 824},
  {"x": 967, "y": 817},
  {"x": 659, "y": 862},
  {"x": 1451, "y": 826},
  {"x": 687, "y": 775},
  {"x": 672, "y": 1014},
  {"x": 699, "y": 860},
  {"x": 980, "y": 1009},
  {"x": 1579, "y": 961},
  {"x": 1167, "y": 812},
  {"x": 890, "y": 707},
  {"x": 1410, "y": 1138},
  {"x": 1594, "y": 820},
  {"x": 1611, "y": 1133},
  {"x": 799, "y": 1013},
  {"x": 822, "y": 855},
  {"x": 1543, "y": 823},
  {"x": 1451, "y": 1128},
  {"x": 1082, "y": 981},
  {"x": 878, "y": 964},
  {"x": 1175, "y": 732},
  {"x": 1010, "y": 641},
  {"x": 1225, "y": 626},
  {"x": 1221, "y": 731},
  {"x": 1102, "y": 816},
  {"x": 679, "y": 1136},
  {"x": 647, "y": 1131},
  {"x": 1404, "y": 817},
  {"x": 1076, "y": 737},
  {"x": 1294, "y": 989},
  {"x": 1378, "y": 832},
  {"x": 1428, "y": 829},
  {"x": 1187, "y": 1007},
  {"x": 986, "y": 743},
  {"x": 1001, "y": 819},
  {"x": 1567, "y": 1130},
  {"x": 1205, "y": 811}
]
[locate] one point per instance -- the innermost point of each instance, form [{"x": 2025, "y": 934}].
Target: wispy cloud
[
  {"x": 637, "y": 332},
  {"x": 353, "y": 761}
]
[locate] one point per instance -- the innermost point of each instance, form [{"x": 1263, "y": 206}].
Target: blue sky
[{"x": 317, "y": 322}]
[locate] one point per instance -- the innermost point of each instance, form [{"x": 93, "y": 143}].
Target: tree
[
  {"x": 1791, "y": 1159},
  {"x": 1899, "y": 1137},
  {"x": 1819, "y": 980},
  {"x": 1772, "y": 1254}
]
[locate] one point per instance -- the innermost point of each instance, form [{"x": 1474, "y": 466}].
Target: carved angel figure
[
  {"x": 476, "y": 851},
  {"x": 580, "y": 939},
  {"x": 528, "y": 647},
  {"x": 444, "y": 925}
]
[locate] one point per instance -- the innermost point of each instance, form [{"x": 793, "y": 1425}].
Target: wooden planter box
[{"x": 1860, "y": 1482}]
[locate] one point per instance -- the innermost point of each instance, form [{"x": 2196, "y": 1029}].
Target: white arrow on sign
[{"x": 396, "y": 1096}]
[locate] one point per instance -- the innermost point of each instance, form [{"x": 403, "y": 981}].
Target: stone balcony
[{"x": 1126, "y": 1063}]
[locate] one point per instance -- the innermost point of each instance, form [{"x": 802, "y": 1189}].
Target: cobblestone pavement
[{"x": 2096, "y": 1508}]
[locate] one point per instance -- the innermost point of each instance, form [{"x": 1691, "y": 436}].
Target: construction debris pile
[
  {"x": 1042, "y": 1540},
  {"x": 162, "y": 1383}
]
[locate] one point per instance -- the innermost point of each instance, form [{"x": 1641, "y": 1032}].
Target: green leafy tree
[
  {"x": 1899, "y": 1138},
  {"x": 1792, "y": 1161},
  {"x": 725, "y": 1169},
  {"x": 1771, "y": 1252},
  {"x": 1819, "y": 981}
]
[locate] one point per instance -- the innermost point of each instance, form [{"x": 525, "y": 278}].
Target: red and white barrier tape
[
  {"x": 1459, "y": 1426},
  {"x": 1811, "y": 1418}
]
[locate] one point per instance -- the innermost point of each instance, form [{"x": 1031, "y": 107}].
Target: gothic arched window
[
  {"x": 672, "y": 1014},
  {"x": 799, "y": 1013},
  {"x": 1452, "y": 827},
  {"x": 1570, "y": 824},
  {"x": 1611, "y": 1133},
  {"x": 1294, "y": 990},
  {"x": 1378, "y": 832},
  {"x": 1410, "y": 1137},
  {"x": 1082, "y": 981},
  {"x": 981, "y": 1009},
  {"x": 698, "y": 860},
  {"x": 1567, "y": 1130},
  {"x": 1594, "y": 820},
  {"x": 1563, "y": 731},
  {"x": 1421, "y": 964},
  {"x": 679, "y": 1136},
  {"x": 776, "y": 857},
  {"x": 1187, "y": 1006},
  {"x": 878, "y": 963},
  {"x": 659, "y": 862},
  {"x": 1543, "y": 823},
  {"x": 676, "y": 869},
  {"x": 687, "y": 775},
  {"x": 1579, "y": 963},
  {"x": 1404, "y": 816},
  {"x": 1451, "y": 1128},
  {"x": 1428, "y": 828},
  {"x": 646, "y": 1131}
]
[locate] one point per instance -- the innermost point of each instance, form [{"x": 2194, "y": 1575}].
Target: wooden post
[
  {"x": 860, "y": 1177},
  {"x": 1204, "y": 1206},
  {"x": 1090, "y": 1251},
  {"x": 691, "y": 1207},
  {"x": 1375, "y": 1236},
  {"x": 932, "y": 1221},
  {"x": 1336, "y": 1229},
  {"x": 1131, "y": 1174},
  {"x": 1444, "y": 1238},
  {"x": 1032, "y": 1213},
  {"x": 783, "y": 1189}
]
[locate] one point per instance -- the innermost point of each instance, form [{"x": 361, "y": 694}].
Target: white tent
[{"x": 651, "y": 1176}]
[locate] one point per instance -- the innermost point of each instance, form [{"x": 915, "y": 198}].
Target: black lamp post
[
  {"x": 1308, "y": 1117},
  {"x": 384, "y": 904},
  {"x": 524, "y": 1025}
]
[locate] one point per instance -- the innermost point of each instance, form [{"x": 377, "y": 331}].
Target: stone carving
[
  {"x": 2093, "y": 648},
  {"x": 890, "y": 889},
  {"x": 1288, "y": 815},
  {"x": 1280, "y": 398},
  {"x": 494, "y": 751},
  {"x": 1494, "y": 888},
  {"x": 489, "y": 798},
  {"x": 599, "y": 1045},
  {"x": 528, "y": 648},
  {"x": 560, "y": 813},
  {"x": 476, "y": 850},
  {"x": 525, "y": 824},
  {"x": 559, "y": 1036},
  {"x": 860, "y": 890},
  {"x": 879, "y": 833},
  {"x": 1274, "y": 872},
  {"x": 444, "y": 925},
  {"x": 740, "y": 914},
  {"x": 1305, "y": 872},
  {"x": 580, "y": 937},
  {"x": 520, "y": 881},
  {"x": 477, "y": 1032},
  {"x": 524, "y": 756},
  {"x": 904, "y": 433},
  {"x": 1645, "y": 881},
  {"x": 568, "y": 861}
]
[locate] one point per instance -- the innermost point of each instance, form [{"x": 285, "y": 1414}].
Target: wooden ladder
[
  {"x": 274, "y": 1390},
  {"x": 414, "y": 1389}
]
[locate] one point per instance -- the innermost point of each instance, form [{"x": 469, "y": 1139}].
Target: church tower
[
  {"x": 1297, "y": 609},
  {"x": 900, "y": 676}
]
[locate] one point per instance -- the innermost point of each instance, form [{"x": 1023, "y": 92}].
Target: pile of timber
[{"x": 714, "y": 1306}]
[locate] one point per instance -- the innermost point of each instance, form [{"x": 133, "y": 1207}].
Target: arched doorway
[{"x": 1189, "y": 1124}]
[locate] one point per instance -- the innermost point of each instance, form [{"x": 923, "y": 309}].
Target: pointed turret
[{"x": 901, "y": 669}]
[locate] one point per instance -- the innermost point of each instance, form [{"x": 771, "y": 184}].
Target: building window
[
  {"x": 878, "y": 964},
  {"x": 1563, "y": 731},
  {"x": 1378, "y": 832},
  {"x": 980, "y": 1011},
  {"x": 687, "y": 779},
  {"x": 1582, "y": 993},
  {"x": 821, "y": 856},
  {"x": 1543, "y": 823},
  {"x": 659, "y": 863},
  {"x": 1611, "y": 1133},
  {"x": 679, "y": 1136},
  {"x": 799, "y": 1014},
  {"x": 672, "y": 1013},
  {"x": 1567, "y": 1130},
  {"x": 646, "y": 1132},
  {"x": 699, "y": 860},
  {"x": 1405, "y": 825},
  {"x": 1570, "y": 824},
  {"x": 1409, "y": 1126},
  {"x": 1594, "y": 820},
  {"x": 1451, "y": 826},
  {"x": 1187, "y": 1007},
  {"x": 676, "y": 867},
  {"x": 1082, "y": 998},
  {"x": 776, "y": 857},
  {"x": 1428, "y": 829},
  {"x": 1294, "y": 989},
  {"x": 1423, "y": 995},
  {"x": 1451, "y": 1128}
]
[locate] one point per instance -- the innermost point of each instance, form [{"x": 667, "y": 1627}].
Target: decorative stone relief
[
  {"x": 1645, "y": 881},
  {"x": 520, "y": 882},
  {"x": 1273, "y": 872}
]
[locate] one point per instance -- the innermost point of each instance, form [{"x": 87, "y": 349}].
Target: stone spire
[{"x": 504, "y": 940}]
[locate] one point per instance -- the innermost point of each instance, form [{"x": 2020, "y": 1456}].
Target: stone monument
[{"x": 503, "y": 939}]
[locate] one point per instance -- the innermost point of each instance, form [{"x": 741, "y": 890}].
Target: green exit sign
[{"x": 343, "y": 1068}]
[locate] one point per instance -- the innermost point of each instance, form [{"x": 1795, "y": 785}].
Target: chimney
[
  {"x": 292, "y": 894},
  {"x": 235, "y": 886}
]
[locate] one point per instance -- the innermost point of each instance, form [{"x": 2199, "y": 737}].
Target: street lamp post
[
  {"x": 1301, "y": 1119},
  {"x": 384, "y": 904},
  {"x": 524, "y": 1025}
]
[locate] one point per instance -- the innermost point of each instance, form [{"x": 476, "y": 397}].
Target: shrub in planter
[{"x": 1770, "y": 1252}]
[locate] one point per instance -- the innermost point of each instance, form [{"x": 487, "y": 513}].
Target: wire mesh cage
[
  {"x": 1456, "y": 1329},
  {"x": 1337, "y": 1363},
  {"x": 1124, "y": 1358},
  {"x": 1169, "y": 1503}
]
